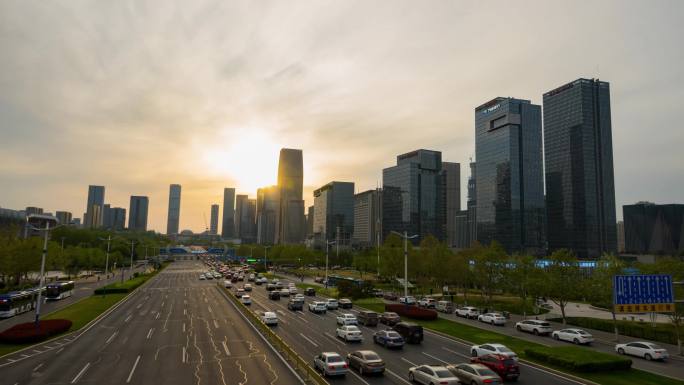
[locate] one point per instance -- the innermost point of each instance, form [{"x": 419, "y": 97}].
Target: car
[
  {"x": 347, "y": 319},
  {"x": 310, "y": 291},
  {"x": 299, "y": 296},
  {"x": 481, "y": 350},
  {"x": 209, "y": 276},
  {"x": 366, "y": 362},
  {"x": 227, "y": 284},
  {"x": 332, "y": 304},
  {"x": 345, "y": 303},
  {"x": 280, "y": 286},
  {"x": 389, "y": 296},
  {"x": 492, "y": 319},
  {"x": 248, "y": 287},
  {"x": 318, "y": 307},
  {"x": 389, "y": 318},
  {"x": 445, "y": 307},
  {"x": 318, "y": 279},
  {"x": 217, "y": 275},
  {"x": 292, "y": 290},
  {"x": 246, "y": 300},
  {"x": 576, "y": 336},
  {"x": 274, "y": 295},
  {"x": 284, "y": 292},
  {"x": 505, "y": 367},
  {"x": 368, "y": 318},
  {"x": 474, "y": 374},
  {"x": 269, "y": 318},
  {"x": 407, "y": 300},
  {"x": 349, "y": 333},
  {"x": 258, "y": 281},
  {"x": 240, "y": 292},
  {"x": 202, "y": 277},
  {"x": 251, "y": 278},
  {"x": 295, "y": 304},
  {"x": 241, "y": 277},
  {"x": 389, "y": 339},
  {"x": 645, "y": 349},
  {"x": 412, "y": 333},
  {"x": 468, "y": 312},
  {"x": 330, "y": 364},
  {"x": 428, "y": 303},
  {"x": 536, "y": 327},
  {"x": 270, "y": 287},
  {"x": 431, "y": 375}
]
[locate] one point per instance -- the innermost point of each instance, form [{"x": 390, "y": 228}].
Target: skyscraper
[
  {"x": 451, "y": 180},
  {"x": 413, "y": 199},
  {"x": 94, "y": 207},
  {"x": 471, "y": 216},
  {"x": 309, "y": 221},
  {"x": 213, "y": 224},
  {"x": 228, "y": 222},
  {"x": 245, "y": 218},
  {"x": 107, "y": 216},
  {"x": 137, "y": 219},
  {"x": 118, "y": 218},
  {"x": 174, "y": 209},
  {"x": 578, "y": 150},
  {"x": 64, "y": 217},
  {"x": 509, "y": 178},
  {"x": 334, "y": 212},
  {"x": 290, "y": 220},
  {"x": 654, "y": 229},
  {"x": 267, "y": 210},
  {"x": 368, "y": 218}
]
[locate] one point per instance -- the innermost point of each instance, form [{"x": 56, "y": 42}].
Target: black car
[
  {"x": 274, "y": 295},
  {"x": 412, "y": 333},
  {"x": 295, "y": 304},
  {"x": 270, "y": 287},
  {"x": 310, "y": 291}
]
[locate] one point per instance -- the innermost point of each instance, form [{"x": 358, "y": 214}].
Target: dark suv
[
  {"x": 412, "y": 333},
  {"x": 274, "y": 295},
  {"x": 310, "y": 291},
  {"x": 505, "y": 367},
  {"x": 367, "y": 318},
  {"x": 295, "y": 304}
]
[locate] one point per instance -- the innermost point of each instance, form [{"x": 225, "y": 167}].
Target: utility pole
[
  {"x": 327, "y": 248},
  {"x": 266, "y": 255},
  {"x": 109, "y": 240},
  {"x": 130, "y": 268},
  {"x": 42, "y": 272},
  {"x": 406, "y": 238}
]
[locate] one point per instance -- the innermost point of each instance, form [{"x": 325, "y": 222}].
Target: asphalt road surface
[
  {"x": 174, "y": 330},
  {"x": 309, "y": 334}
]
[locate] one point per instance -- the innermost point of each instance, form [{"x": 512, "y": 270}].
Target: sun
[{"x": 248, "y": 158}]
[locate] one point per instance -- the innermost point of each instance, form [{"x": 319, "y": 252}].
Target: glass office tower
[
  {"x": 654, "y": 229},
  {"x": 578, "y": 149},
  {"x": 173, "y": 220},
  {"x": 509, "y": 177},
  {"x": 228, "y": 222},
  {"x": 137, "y": 219},
  {"x": 334, "y": 213}
]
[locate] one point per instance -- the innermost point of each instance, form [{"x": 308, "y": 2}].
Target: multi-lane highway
[
  {"x": 309, "y": 334},
  {"x": 174, "y": 330}
]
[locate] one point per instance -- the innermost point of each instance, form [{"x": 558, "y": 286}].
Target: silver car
[
  {"x": 475, "y": 374},
  {"x": 432, "y": 374},
  {"x": 330, "y": 364}
]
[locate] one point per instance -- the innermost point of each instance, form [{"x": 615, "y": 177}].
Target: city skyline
[{"x": 337, "y": 102}]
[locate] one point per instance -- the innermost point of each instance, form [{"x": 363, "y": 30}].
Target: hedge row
[
  {"x": 411, "y": 311},
  {"x": 578, "y": 359},
  {"x": 662, "y": 332},
  {"x": 28, "y": 333},
  {"x": 126, "y": 286}
]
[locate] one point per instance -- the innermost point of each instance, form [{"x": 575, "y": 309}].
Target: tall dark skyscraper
[
  {"x": 413, "y": 196},
  {"x": 137, "y": 219},
  {"x": 509, "y": 177},
  {"x": 334, "y": 212},
  {"x": 213, "y": 224},
  {"x": 290, "y": 224},
  {"x": 451, "y": 180},
  {"x": 580, "y": 188},
  {"x": 174, "y": 209},
  {"x": 654, "y": 229},
  {"x": 64, "y": 217},
  {"x": 94, "y": 207},
  {"x": 118, "y": 218},
  {"x": 471, "y": 206},
  {"x": 228, "y": 222},
  {"x": 267, "y": 209},
  {"x": 245, "y": 218}
]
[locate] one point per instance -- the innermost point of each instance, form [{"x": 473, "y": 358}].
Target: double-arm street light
[
  {"x": 327, "y": 249},
  {"x": 406, "y": 238},
  {"x": 46, "y": 231}
]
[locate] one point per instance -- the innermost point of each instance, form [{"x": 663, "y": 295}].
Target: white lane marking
[
  {"x": 302, "y": 318},
  {"x": 216, "y": 325},
  {"x": 108, "y": 339},
  {"x": 397, "y": 376},
  {"x": 183, "y": 327},
  {"x": 81, "y": 373},
  {"x": 185, "y": 311},
  {"x": 435, "y": 358},
  {"x": 158, "y": 314},
  {"x": 139, "y": 306},
  {"x": 405, "y": 360},
  {"x": 456, "y": 353},
  {"x": 163, "y": 304},
  {"x": 37, "y": 351},
  {"x": 308, "y": 339},
  {"x": 130, "y": 375},
  {"x": 225, "y": 347},
  {"x": 38, "y": 367},
  {"x": 25, "y": 355},
  {"x": 183, "y": 358},
  {"x": 149, "y": 334},
  {"x": 60, "y": 350},
  {"x": 359, "y": 377},
  {"x": 128, "y": 318},
  {"x": 10, "y": 360}
]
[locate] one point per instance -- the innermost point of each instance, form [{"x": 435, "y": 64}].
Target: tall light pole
[
  {"x": 42, "y": 271},
  {"x": 377, "y": 237},
  {"x": 406, "y": 238},
  {"x": 266, "y": 255},
  {"x": 109, "y": 240},
  {"x": 130, "y": 268},
  {"x": 327, "y": 252}
]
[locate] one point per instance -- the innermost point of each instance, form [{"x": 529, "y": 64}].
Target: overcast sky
[{"x": 136, "y": 95}]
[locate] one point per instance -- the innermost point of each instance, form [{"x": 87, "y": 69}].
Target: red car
[{"x": 507, "y": 368}]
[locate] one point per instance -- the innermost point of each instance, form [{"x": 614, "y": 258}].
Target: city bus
[
  {"x": 59, "y": 290},
  {"x": 17, "y": 302}
]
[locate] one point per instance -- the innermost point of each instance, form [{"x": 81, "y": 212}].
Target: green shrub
[
  {"x": 578, "y": 359},
  {"x": 662, "y": 332}
]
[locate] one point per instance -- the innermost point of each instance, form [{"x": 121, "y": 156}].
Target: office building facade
[
  {"x": 228, "y": 222},
  {"x": 64, "y": 217},
  {"x": 654, "y": 229},
  {"x": 509, "y": 177},
  {"x": 451, "y": 181},
  {"x": 471, "y": 207},
  {"x": 267, "y": 205},
  {"x": 290, "y": 223},
  {"x": 309, "y": 221},
  {"x": 213, "y": 223},
  {"x": 334, "y": 213},
  {"x": 368, "y": 218},
  {"x": 173, "y": 220},
  {"x": 118, "y": 218},
  {"x": 578, "y": 150},
  {"x": 245, "y": 218},
  {"x": 95, "y": 207},
  {"x": 137, "y": 219}
]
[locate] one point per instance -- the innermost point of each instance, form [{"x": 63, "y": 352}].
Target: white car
[
  {"x": 202, "y": 277},
  {"x": 293, "y": 290},
  {"x": 407, "y": 300},
  {"x": 647, "y": 350},
  {"x": 284, "y": 292},
  {"x": 347, "y": 319},
  {"x": 269, "y": 318},
  {"x": 468, "y": 312},
  {"x": 227, "y": 283},
  {"x": 576, "y": 336},
  {"x": 248, "y": 287},
  {"x": 349, "y": 333},
  {"x": 432, "y": 374},
  {"x": 536, "y": 327},
  {"x": 332, "y": 304},
  {"x": 245, "y": 299},
  {"x": 481, "y": 350},
  {"x": 492, "y": 318},
  {"x": 318, "y": 307},
  {"x": 426, "y": 302}
]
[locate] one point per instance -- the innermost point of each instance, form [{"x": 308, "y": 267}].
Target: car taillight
[
  {"x": 344, "y": 366},
  {"x": 444, "y": 382},
  {"x": 331, "y": 367},
  {"x": 488, "y": 381}
]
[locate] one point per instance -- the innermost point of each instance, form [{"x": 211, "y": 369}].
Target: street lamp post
[
  {"x": 130, "y": 268},
  {"x": 42, "y": 272},
  {"x": 327, "y": 251},
  {"x": 265, "y": 256},
  {"x": 406, "y": 238}
]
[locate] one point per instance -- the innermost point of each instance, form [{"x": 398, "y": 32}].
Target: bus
[
  {"x": 59, "y": 290},
  {"x": 17, "y": 302}
]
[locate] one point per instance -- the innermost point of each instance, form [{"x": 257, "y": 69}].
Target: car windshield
[
  {"x": 443, "y": 373},
  {"x": 582, "y": 332},
  {"x": 505, "y": 349},
  {"x": 545, "y": 324},
  {"x": 486, "y": 372},
  {"x": 335, "y": 359},
  {"x": 654, "y": 346},
  {"x": 390, "y": 314},
  {"x": 371, "y": 357},
  {"x": 393, "y": 335},
  {"x": 509, "y": 361}
]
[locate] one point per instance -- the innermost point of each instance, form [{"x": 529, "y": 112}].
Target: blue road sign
[{"x": 642, "y": 289}]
